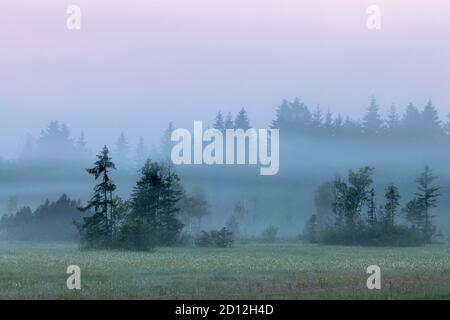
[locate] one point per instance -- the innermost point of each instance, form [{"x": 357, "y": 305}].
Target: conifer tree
[
  {"x": 427, "y": 195},
  {"x": 372, "y": 122},
  {"x": 316, "y": 121},
  {"x": 122, "y": 149},
  {"x": 141, "y": 153},
  {"x": 97, "y": 229},
  {"x": 242, "y": 121},
  {"x": 301, "y": 116},
  {"x": 411, "y": 121},
  {"x": 338, "y": 126},
  {"x": 392, "y": 197},
  {"x": 219, "y": 122},
  {"x": 414, "y": 212},
  {"x": 430, "y": 121},
  {"x": 283, "y": 117},
  {"x": 393, "y": 122},
  {"x": 81, "y": 142},
  {"x": 328, "y": 123},
  {"x": 229, "y": 124},
  {"x": 371, "y": 208},
  {"x": 155, "y": 200}
]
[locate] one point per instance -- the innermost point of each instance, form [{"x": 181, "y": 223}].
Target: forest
[{"x": 135, "y": 198}]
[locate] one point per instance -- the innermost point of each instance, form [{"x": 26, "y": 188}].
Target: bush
[
  {"x": 220, "y": 239},
  {"x": 204, "y": 239},
  {"x": 373, "y": 235},
  {"x": 269, "y": 234},
  {"x": 135, "y": 234}
]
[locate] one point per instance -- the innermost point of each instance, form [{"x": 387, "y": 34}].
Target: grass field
[{"x": 247, "y": 271}]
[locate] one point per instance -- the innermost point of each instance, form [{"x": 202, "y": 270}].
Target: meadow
[{"x": 288, "y": 270}]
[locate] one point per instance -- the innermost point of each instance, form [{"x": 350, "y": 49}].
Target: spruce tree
[
  {"x": 141, "y": 153},
  {"x": 411, "y": 121},
  {"x": 155, "y": 200},
  {"x": 372, "y": 122},
  {"x": 122, "y": 149},
  {"x": 414, "y": 212},
  {"x": 392, "y": 197},
  {"x": 97, "y": 229},
  {"x": 338, "y": 126},
  {"x": 301, "y": 116},
  {"x": 393, "y": 122},
  {"x": 219, "y": 122},
  {"x": 371, "y": 208},
  {"x": 283, "y": 117},
  {"x": 430, "y": 121},
  {"x": 242, "y": 121},
  {"x": 427, "y": 195},
  {"x": 328, "y": 123},
  {"x": 316, "y": 121},
  {"x": 229, "y": 124},
  {"x": 81, "y": 142}
]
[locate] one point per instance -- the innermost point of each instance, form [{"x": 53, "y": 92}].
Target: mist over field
[
  {"x": 310, "y": 154},
  {"x": 95, "y": 101}
]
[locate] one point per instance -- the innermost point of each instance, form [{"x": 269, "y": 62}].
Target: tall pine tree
[
  {"x": 219, "y": 122},
  {"x": 242, "y": 121},
  {"x": 97, "y": 229},
  {"x": 155, "y": 200},
  {"x": 372, "y": 122},
  {"x": 392, "y": 197},
  {"x": 427, "y": 195}
]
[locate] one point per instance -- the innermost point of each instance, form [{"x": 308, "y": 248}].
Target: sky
[{"x": 137, "y": 64}]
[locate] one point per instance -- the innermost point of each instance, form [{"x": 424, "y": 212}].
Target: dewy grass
[{"x": 250, "y": 271}]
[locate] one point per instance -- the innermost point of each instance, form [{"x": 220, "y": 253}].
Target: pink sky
[{"x": 148, "y": 62}]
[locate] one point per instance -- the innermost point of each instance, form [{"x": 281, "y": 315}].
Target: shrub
[
  {"x": 220, "y": 239},
  {"x": 269, "y": 234},
  {"x": 373, "y": 235},
  {"x": 135, "y": 234},
  {"x": 204, "y": 239}
]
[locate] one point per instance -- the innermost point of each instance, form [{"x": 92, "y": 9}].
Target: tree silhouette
[
  {"x": 122, "y": 150},
  {"x": 372, "y": 122},
  {"x": 219, "y": 122},
  {"x": 392, "y": 197},
  {"x": 97, "y": 229},
  {"x": 427, "y": 195},
  {"x": 242, "y": 121},
  {"x": 155, "y": 200}
]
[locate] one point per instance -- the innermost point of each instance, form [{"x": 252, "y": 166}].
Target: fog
[
  {"x": 54, "y": 164},
  {"x": 134, "y": 68},
  {"x": 152, "y": 62}
]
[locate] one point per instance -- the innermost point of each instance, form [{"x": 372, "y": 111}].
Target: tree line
[
  {"x": 151, "y": 217},
  {"x": 347, "y": 212},
  {"x": 50, "y": 221},
  {"x": 293, "y": 118},
  {"x": 156, "y": 213}
]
